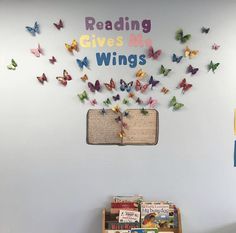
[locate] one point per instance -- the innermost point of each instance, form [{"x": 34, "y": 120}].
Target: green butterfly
[
  {"x": 213, "y": 66},
  {"x": 164, "y": 71},
  {"x": 83, "y": 96},
  {"x": 107, "y": 102},
  {"x": 181, "y": 37},
  {"x": 173, "y": 103},
  {"x": 144, "y": 111},
  {"x": 12, "y": 66},
  {"x": 125, "y": 101}
]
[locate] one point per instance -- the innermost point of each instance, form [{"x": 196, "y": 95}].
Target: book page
[
  {"x": 142, "y": 129},
  {"x": 102, "y": 128}
]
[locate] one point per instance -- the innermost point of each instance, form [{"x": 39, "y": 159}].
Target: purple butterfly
[
  {"x": 94, "y": 87},
  {"x": 139, "y": 101},
  {"x": 192, "y": 70},
  {"x": 153, "y": 82},
  {"x": 116, "y": 97}
]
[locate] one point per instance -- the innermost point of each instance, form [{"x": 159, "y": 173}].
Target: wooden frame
[{"x": 175, "y": 230}]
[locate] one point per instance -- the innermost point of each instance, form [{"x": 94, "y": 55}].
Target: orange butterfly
[
  {"x": 140, "y": 74},
  {"x": 190, "y": 53},
  {"x": 72, "y": 46},
  {"x": 164, "y": 90},
  {"x": 110, "y": 85},
  {"x": 84, "y": 78}
]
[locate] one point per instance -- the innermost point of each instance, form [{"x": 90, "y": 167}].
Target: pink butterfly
[
  {"x": 152, "y": 102},
  {"x": 42, "y": 78},
  {"x": 59, "y": 25},
  {"x": 52, "y": 60},
  {"x": 93, "y": 102},
  {"x": 215, "y": 46},
  {"x": 37, "y": 51},
  {"x": 155, "y": 55}
]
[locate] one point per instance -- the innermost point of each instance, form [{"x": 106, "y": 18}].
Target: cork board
[{"x": 102, "y": 129}]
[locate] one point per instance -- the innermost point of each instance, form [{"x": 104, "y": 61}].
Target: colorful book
[
  {"x": 144, "y": 230},
  {"x": 124, "y": 205},
  {"x": 133, "y": 198},
  {"x": 127, "y": 216},
  {"x": 117, "y": 231},
  {"x": 121, "y": 226},
  {"x": 117, "y": 210}
]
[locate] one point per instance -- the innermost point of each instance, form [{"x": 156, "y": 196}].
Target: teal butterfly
[
  {"x": 83, "y": 96},
  {"x": 33, "y": 30},
  {"x": 107, "y": 102},
  {"x": 164, "y": 71},
  {"x": 213, "y": 66},
  {"x": 181, "y": 37},
  {"x": 12, "y": 66},
  {"x": 173, "y": 103}
]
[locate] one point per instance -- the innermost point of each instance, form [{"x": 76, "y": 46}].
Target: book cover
[
  {"x": 128, "y": 216},
  {"x": 144, "y": 230},
  {"x": 117, "y": 210},
  {"x": 118, "y": 231},
  {"x": 133, "y": 198},
  {"x": 124, "y": 205}
]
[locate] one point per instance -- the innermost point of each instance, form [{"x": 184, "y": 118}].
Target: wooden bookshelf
[{"x": 174, "y": 230}]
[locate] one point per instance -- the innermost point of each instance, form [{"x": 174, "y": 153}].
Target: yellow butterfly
[
  {"x": 72, "y": 46},
  {"x": 190, "y": 53},
  {"x": 140, "y": 74},
  {"x": 121, "y": 134},
  {"x": 84, "y": 78},
  {"x": 116, "y": 109}
]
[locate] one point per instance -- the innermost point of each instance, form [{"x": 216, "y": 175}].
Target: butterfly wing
[
  {"x": 129, "y": 86},
  {"x": 97, "y": 85},
  {"x": 13, "y": 62},
  {"x": 62, "y": 80},
  {"x": 138, "y": 85},
  {"x": 117, "y": 97},
  {"x": 150, "y": 52},
  {"x": 122, "y": 85},
  {"x": 179, "y": 34},
  {"x": 36, "y": 27},
  {"x": 30, "y": 30},
  {"x": 193, "y": 53},
  {"x": 74, "y": 45},
  {"x": 172, "y": 101},
  {"x": 85, "y": 62},
  {"x": 157, "y": 54},
  {"x": 185, "y": 38},
  {"x": 35, "y": 52},
  {"x": 91, "y": 87},
  {"x": 177, "y": 106},
  {"x": 66, "y": 75},
  {"x": 187, "y": 51},
  {"x": 110, "y": 85},
  {"x": 84, "y": 78}
]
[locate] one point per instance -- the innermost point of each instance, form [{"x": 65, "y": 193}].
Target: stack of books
[{"x": 131, "y": 214}]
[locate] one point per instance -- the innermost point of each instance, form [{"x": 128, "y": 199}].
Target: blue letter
[{"x": 102, "y": 57}]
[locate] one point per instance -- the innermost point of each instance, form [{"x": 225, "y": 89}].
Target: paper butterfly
[
  {"x": 155, "y": 55},
  {"x": 213, "y": 66},
  {"x": 173, "y": 103},
  {"x": 131, "y": 95},
  {"x": 66, "y": 77},
  {"x": 116, "y": 109},
  {"x": 181, "y": 37},
  {"x": 93, "y": 102},
  {"x": 126, "y": 113},
  {"x": 72, "y": 46},
  {"x": 139, "y": 101},
  {"x": 121, "y": 134},
  {"x": 205, "y": 30},
  {"x": 215, "y": 46},
  {"x": 37, "y": 51},
  {"x": 190, "y": 53},
  {"x": 140, "y": 74},
  {"x": 107, "y": 102},
  {"x": 115, "y": 98},
  {"x": 153, "y": 82},
  {"x": 184, "y": 85},
  {"x": 144, "y": 111},
  {"x": 125, "y": 86},
  {"x": 83, "y": 96},
  {"x": 82, "y": 63},
  {"x": 140, "y": 87},
  {"x": 52, "y": 60},
  {"x": 84, "y": 78},
  {"x": 192, "y": 70},
  {"x": 33, "y": 30},
  {"x": 152, "y": 102},
  {"x": 59, "y": 25},
  {"x": 164, "y": 71},
  {"x": 94, "y": 87},
  {"x": 125, "y": 101},
  {"x": 110, "y": 85},
  {"x": 42, "y": 78},
  {"x": 176, "y": 59},
  {"x": 165, "y": 90},
  {"x": 103, "y": 111},
  {"x": 12, "y": 66}
]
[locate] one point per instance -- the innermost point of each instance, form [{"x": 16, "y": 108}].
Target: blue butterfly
[
  {"x": 176, "y": 59},
  {"x": 84, "y": 62},
  {"x": 33, "y": 30},
  {"x": 125, "y": 86}
]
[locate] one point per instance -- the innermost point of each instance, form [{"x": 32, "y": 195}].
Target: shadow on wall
[{"x": 225, "y": 229}]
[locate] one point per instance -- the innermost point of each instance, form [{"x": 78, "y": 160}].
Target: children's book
[
  {"x": 129, "y": 216},
  {"x": 118, "y": 231},
  {"x": 144, "y": 230},
  {"x": 133, "y": 127}
]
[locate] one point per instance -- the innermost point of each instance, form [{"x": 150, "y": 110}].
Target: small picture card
[
  {"x": 128, "y": 216},
  {"x": 144, "y": 230}
]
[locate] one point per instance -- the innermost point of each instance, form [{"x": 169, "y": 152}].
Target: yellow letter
[{"x": 84, "y": 41}]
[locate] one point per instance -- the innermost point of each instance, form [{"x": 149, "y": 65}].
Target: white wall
[{"x": 53, "y": 182}]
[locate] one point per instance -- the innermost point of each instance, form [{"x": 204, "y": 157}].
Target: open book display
[{"x": 132, "y": 127}]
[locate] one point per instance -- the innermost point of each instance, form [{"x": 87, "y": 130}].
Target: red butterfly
[
  {"x": 66, "y": 77},
  {"x": 110, "y": 85},
  {"x": 59, "y": 25},
  {"x": 184, "y": 85},
  {"x": 140, "y": 87},
  {"x": 152, "y": 54},
  {"x": 52, "y": 60},
  {"x": 42, "y": 78}
]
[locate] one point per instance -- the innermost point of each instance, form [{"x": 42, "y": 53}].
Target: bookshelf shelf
[{"x": 105, "y": 213}]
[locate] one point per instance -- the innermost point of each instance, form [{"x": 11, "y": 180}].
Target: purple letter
[{"x": 89, "y": 23}]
